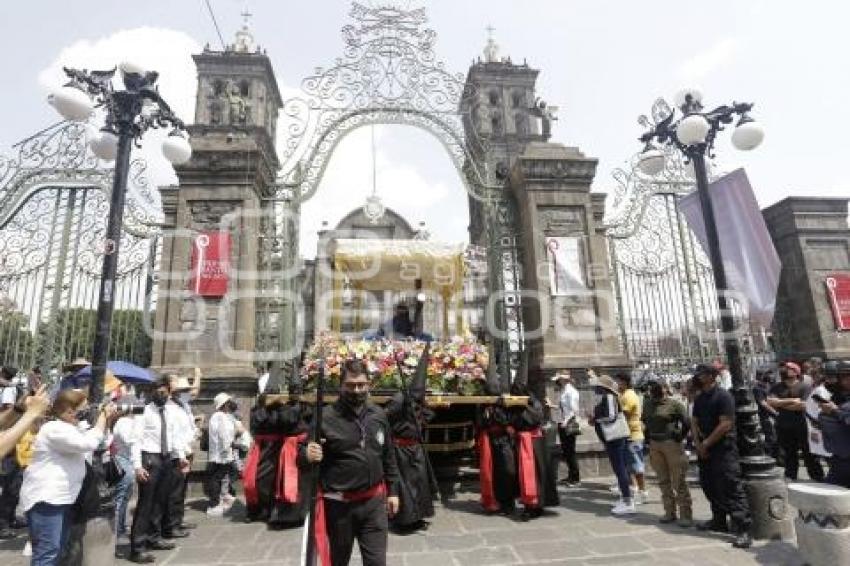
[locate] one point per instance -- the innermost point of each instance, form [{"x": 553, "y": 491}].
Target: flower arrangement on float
[{"x": 458, "y": 366}]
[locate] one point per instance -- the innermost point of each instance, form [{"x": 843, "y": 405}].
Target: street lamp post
[
  {"x": 693, "y": 133},
  {"x": 129, "y": 114}
]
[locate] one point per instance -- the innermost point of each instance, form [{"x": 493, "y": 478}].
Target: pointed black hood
[{"x": 420, "y": 378}]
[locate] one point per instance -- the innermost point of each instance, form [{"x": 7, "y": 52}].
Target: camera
[{"x": 133, "y": 408}]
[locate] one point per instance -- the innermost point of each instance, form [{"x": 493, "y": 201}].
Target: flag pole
[{"x": 308, "y": 543}]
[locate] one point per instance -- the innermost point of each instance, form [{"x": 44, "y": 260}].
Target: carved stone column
[{"x": 574, "y": 326}]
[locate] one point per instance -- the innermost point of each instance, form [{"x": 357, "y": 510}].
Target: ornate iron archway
[
  {"x": 389, "y": 74},
  {"x": 53, "y": 204}
]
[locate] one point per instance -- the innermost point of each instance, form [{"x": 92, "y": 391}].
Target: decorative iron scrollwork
[{"x": 388, "y": 74}]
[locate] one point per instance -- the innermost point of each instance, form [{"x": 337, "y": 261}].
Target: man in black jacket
[
  {"x": 719, "y": 467},
  {"x": 358, "y": 476}
]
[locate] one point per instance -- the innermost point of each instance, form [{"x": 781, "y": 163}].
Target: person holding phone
[{"x": 834, "y": 419}]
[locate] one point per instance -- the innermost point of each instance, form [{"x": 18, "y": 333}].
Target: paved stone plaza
[{"x": 581, "y": 531}]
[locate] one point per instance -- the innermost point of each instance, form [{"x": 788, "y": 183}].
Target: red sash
[
  {"x": 287, "y": 469},
  {"x": 485, "y": 469},
  {"x": 404, "y": 442},
  {"x": 528, "y": 492},
  {"x": 323, "y": 548},
  {"x": 249, "y": 474}
]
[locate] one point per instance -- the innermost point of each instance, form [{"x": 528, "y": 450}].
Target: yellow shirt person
[{"x": 630, "y": 403}]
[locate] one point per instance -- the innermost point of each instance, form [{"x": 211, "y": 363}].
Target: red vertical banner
[
  {"x": 838, "y": 293},
  {"x": 210, "y": 264}
]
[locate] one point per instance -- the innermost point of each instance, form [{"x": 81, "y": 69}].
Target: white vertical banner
[
  {"x": 565, "y": 270},
  {"x": 749, "y": 258}
]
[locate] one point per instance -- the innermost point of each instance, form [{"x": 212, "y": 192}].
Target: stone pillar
[
  {"x": 812, "y": 239},
  {"x": 574, "y": 328},
  {"x": 218, "y": 191}
]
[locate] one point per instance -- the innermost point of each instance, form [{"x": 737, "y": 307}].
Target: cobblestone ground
[{"x": 580, "y": 531}]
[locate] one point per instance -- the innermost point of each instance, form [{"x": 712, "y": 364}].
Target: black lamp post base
[
  {"x": 764, "y": 481},
  {"x": 768, "y": 497}
]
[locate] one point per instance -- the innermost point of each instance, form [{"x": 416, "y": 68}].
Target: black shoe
[
  {"x": 743, "y": 540},
  {"x": 140, "y": 558},
  {"x": 714, "y": 526},
  {"x": 667, "y": 519},
  {"x": 175, "y": 534},
  {"x": 161, "y": 545},
  {"x": 18, "y": 524},
  {"x": 188, "y": 526}
]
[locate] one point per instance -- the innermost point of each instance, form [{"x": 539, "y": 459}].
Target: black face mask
[
  {"x": 83, "y": 415},
  {"x": 354, "y": 399},
  {"x": 159, "y": 398}
]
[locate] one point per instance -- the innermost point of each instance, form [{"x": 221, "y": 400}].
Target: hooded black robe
[{"x": 418, "y": 485}]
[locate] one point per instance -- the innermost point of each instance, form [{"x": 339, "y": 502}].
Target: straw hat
[
  {"x": 605, "y": 382},
  {"x": 220, "y": 399},
  {"x": 78, "y": 363},
  {"x": 561, "y": 374},
  {"x": 182, "y": 383}
]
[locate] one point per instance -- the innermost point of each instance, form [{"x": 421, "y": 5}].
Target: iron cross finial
[{"x": 490, "y": 29}]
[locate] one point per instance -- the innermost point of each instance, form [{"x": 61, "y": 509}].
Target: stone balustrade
[{"x": 822, "y": 522}]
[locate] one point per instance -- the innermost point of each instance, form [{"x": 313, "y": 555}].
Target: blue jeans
[
  {"x": 617, "y": 456},
  {"x": 48, "y": 528},
  {"x": 634, "y": 457},
  {"x": 123, "y": 494}
]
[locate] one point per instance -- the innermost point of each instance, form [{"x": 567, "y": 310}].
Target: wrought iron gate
[
  {"x": 53, "y": 208},
  {"x": 665, "y": 287}
]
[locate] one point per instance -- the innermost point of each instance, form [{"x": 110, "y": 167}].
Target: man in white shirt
[
  {"x": 8, "y": 390},
  {"x": 568, "y": 424},
  {"x": 158, "y": 444},
  {"x": 173, "y": 525},
  {"x": 223, "y": 430},
  {"x": 824, "y": 377},
  {"x": 123, "y": 434},
  {"x": 262, "y": 379}
]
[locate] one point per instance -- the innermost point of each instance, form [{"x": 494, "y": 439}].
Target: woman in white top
[{"x": 55, "y": 476}]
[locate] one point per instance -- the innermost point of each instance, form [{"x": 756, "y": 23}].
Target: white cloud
[
  {"x": 706, "y": 62},
  {"x": 166, "y": 51}
]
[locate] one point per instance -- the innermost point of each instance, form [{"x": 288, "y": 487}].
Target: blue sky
[{"x": 602, "y": 62}]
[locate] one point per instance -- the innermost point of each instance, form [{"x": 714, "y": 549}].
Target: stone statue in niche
[{"x": 236, "y": 104}]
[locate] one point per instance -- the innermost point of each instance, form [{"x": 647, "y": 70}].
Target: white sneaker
[
  {"x": 216, "y": 511},
  {"x": 227, "y": 501},
  {"x": 27, "y": 549},
  {"x": 624, "y": 507},
  {"x": 641, "y": 497}
]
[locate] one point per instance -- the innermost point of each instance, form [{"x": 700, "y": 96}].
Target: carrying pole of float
[{"x": 308, "y": 543}]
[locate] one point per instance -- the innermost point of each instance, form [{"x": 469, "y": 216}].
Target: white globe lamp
[
  {"x": 72, "y": 103},
  {"x": 104, "y": 145},
  {"x": 176, "y": 148},
  {"x": 748, "y": 135},
  {"x": 651, "y": 161},
  {"x": 692, "y": 129}
]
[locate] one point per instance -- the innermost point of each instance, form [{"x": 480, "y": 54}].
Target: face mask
[
  {"x": 355, "y": 399},
  {"x": 82, "y": 415},
  {"x": 159, "y": 398}
]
